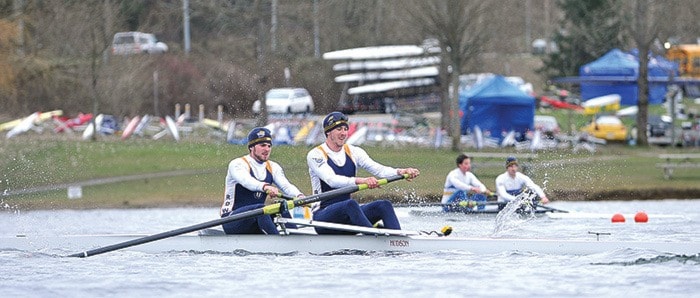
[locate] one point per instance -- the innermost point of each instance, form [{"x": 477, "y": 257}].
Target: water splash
[
  {"x": 516, "y": 212},
  {"x": 408, "y": 196},
  {"x": 4, "y": 206}
]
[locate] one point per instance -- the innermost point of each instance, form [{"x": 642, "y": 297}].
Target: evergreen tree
[{"x": 589, "y": 29}]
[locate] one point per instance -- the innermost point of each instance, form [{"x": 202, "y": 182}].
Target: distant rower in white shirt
[
  {"x": 462, "y": 187},
  {"x": 511, "y": 183}
]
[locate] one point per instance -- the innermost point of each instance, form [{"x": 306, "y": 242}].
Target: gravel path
[{"x": 107, "y": 181}]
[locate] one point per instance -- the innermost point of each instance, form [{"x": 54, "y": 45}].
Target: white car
[
  {"x": 286, "y": 101},
  {"x": 127, "y": 43},
  {"x": 548, "y": 125}
]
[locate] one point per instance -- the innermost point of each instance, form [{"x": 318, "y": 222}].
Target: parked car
[
  {"x": 286, "y": 101},
  {"x": 659, "y": 130},
  {"x": 548, "y": 125},
  {"x": 658, "y": 126},
  {"x": 129, "y": 43},
  {"x": 606, "y": 127}
]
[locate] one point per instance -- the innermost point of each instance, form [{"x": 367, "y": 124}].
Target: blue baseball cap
[
  {"x": 334, "y": 120},
  {"x": 511, "y": 160},
  {"x": 259, "y": 135}
]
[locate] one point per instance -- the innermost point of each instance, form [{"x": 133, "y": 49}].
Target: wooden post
[{"x": 220, "y": 114}]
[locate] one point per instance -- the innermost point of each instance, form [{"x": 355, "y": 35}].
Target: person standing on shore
[
  {"x": 249, "y": 180},
  {"x": 334, "y": 165},
  {"x": 462, "y": 189},
  {"x": 512, "y": 183}
]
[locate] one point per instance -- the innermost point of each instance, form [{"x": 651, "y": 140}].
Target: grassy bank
[{"x": 195, "y": 171}]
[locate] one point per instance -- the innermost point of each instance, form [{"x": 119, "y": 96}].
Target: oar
[
  {"x": 267, "y": 210},
  {"x": 550, "y": 208}
]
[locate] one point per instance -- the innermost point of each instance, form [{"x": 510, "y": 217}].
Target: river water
[{"x": 623, "y": 273}]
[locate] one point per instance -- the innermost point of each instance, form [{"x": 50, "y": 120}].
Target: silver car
[
  {"x": 286, "y": 101},
  {"x": 128, "y": 43}
]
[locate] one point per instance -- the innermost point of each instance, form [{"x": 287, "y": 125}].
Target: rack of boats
[{"x": 362, "y": 239}]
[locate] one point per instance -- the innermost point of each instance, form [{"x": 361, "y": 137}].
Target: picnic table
[{"x": 675, "y": 161}]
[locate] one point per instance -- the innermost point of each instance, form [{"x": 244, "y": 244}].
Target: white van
[{"x": 127, "y": 43}]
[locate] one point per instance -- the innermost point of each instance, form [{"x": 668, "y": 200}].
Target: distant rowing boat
[
  {"x": 366, "y": 239},
  {"x": 491, "y": 208},
  {"x": 489, "y": 212}
]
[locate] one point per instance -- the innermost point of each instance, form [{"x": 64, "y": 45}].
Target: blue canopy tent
[
  {"x": 496, "y": 107},
  {"x": 617, "y": 64}
]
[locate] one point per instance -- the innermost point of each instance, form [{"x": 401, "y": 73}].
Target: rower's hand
[
  {"x": 544, "y": 200},
  {"x": 271, "y": 190},
  {"x": 411, "y": 172},
  {"x": 370, "y": 181}
]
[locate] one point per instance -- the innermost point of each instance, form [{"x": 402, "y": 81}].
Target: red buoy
[
  {"x": 641, "y": 216},
  {"x": 618, "y": 218}
]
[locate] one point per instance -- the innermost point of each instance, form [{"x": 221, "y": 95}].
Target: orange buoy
[
  {"x": 641, "y": 216},
  {"x": 618, "y": 218}
]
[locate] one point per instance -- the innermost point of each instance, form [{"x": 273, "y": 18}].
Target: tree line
[{"x": 56, "y": 54}]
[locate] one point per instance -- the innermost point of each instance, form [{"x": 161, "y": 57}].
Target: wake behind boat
[{"x": 366, "y": 240}]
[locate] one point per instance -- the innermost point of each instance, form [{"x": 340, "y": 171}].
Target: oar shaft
[
  {"x": 270, "y": 209},
  {"x": 551, "y": 209},
  {"x": 180, "y": 231}
]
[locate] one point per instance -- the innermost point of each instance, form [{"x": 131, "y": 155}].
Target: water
[{"x": 627, "y": 273}]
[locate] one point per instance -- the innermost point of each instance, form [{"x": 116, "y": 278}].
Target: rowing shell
[
  {"x": 329, "y": 244},
  {"x": 369, "y": 240}
]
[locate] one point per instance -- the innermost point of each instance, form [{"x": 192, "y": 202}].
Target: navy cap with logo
[
  {"x": 334, "y": 120},
  {"x": 511, "y": 160},
  {"x": 259, "y": 135}
]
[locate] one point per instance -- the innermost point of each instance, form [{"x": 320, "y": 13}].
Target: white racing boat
[{"x": 366, "y": 240}]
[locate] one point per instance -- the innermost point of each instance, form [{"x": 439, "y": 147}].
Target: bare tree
[
  {"x": 457, "y": 26},
  {"x": 644, "y": 31}
]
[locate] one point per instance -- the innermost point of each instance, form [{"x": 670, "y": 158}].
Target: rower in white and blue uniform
[
  {"x": 512, "y": 183},
  {"x": 462, "y": 189},
  {"x": 334, "y": 165},
  {"x": 249, "y": 180}
]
